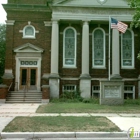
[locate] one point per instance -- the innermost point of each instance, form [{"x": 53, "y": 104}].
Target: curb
[{"x": 35, "y": 135}]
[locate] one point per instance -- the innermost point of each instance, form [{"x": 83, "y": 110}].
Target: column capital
[
  {"x": 85, "y": 22},
  {"x": 55, "y": 20}
]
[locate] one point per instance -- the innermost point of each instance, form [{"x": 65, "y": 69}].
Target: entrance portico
[{"x": 28, "y": 67}]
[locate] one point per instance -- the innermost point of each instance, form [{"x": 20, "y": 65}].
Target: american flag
[{"x": 115, "y": 24}]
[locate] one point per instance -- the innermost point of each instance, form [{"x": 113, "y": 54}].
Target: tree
[
  {"x": 2, "y": 48},
  {"x": 135, "y": 4}
]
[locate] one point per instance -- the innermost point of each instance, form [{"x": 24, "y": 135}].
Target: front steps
[{"x": 21, "y": 97}]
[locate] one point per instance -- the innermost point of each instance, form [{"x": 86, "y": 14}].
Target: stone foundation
[
  {"x": 85, "y": 88},
  {"x": 112, "y": 92}
]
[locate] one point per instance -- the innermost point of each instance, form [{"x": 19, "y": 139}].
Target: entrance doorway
[{"x": 28, "y": 77}]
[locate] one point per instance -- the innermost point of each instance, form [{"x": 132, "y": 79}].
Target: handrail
[
  {"x": 25, "y": 90},
  {"x": 10, "y": 86}
]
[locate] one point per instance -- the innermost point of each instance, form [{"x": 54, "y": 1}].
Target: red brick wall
[{"x": 14, "y": 37}]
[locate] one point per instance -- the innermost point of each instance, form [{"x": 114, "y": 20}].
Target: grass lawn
[
  {"x": 79, "y": 107},
  {"x": 59, "y": 124}
]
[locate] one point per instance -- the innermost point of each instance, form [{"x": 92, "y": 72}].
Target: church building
[{"x": 68, "y": 45}]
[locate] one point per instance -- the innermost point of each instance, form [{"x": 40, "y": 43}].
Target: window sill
[
  {"x": 98, "y": 67},
  {"x": 69, "y": 67},
  {"x": 127, "y": 68},
  {"x": 28, "y": 37}
]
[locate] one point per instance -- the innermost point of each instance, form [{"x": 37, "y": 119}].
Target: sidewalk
[{"x": 9, "y": 111}]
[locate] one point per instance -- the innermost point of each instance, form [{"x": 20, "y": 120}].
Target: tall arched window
[
  {"x": 98, "y": 48},
  {"x": 69, "y": 47},
  {"x": 127, "y": 49}
]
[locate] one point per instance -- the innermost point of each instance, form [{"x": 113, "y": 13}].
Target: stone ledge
[{"x": 34, "y": 135}]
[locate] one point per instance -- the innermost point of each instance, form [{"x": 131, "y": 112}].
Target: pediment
[
  {"x": 28, "y": 48},
  {"x": 92, "y": 3}
]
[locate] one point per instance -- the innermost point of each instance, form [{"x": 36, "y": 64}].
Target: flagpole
[{"x": 109, "y": 48}]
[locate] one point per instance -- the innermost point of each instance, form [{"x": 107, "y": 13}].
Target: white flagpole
[{"x": 109, "y": 48}]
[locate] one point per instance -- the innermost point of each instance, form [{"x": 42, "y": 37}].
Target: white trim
[
  {"x": 130, "y": 91},
  {"x": 29, "y": 36},
  {"x": 75, "y": 35},
  {"x": 18, "y": 66},
  {"x": 95, "y": 91},
  {"x": 104, "y": 50},
  {"x": 48, "y": 23},
  {"x": 68, "y": 86},
  {"x": 10, "y": 22},
  {"x": 133, "y": 61}
]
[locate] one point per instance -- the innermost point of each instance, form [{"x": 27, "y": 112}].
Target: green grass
[
  {"x": 79, "y": 107},
  {"x": 61, "y": 124}
]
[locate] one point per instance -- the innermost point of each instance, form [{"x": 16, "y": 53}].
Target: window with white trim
[
  {"x": 129, "y": 92},
  {"x": 98, "y": 48},
  {"x": 127, "y": 54},
  {"x": 29, "y": 32},
  {"x": 69, "y": 47},
  {"x": 69, "y": 88},
  {"x": 95, "y": 91}
]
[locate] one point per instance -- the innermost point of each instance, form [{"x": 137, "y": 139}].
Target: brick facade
[{"x": 37, "y": 15}]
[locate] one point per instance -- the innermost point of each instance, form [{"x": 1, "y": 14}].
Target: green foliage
[
  {"x": 138, "y": 56},
  {"x": 91, "y": 100},
  {"x": 2, "y": 48},
  {"x": 132, "y": 102},
  {"x": 135, "y": 4},
  {"x": 71, "y": 96}
]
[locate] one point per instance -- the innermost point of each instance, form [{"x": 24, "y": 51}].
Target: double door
[{"x": 28, "y": 78}]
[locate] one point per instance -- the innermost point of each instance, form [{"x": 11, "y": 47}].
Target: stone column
[
  {"x": 54, "y": 76},
  {"x": 115, "y": 55},
  {"x": 85, "y": 79}
]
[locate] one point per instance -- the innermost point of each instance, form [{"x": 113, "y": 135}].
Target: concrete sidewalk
[{"x": 9, "y": 111}]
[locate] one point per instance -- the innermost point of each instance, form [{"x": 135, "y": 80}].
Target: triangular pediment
[
  {"x": 28, "y": 48},
  {"x": 92, "y": 3}
]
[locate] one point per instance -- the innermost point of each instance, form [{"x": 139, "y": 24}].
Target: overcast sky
[{"x": 2, "y": 12}]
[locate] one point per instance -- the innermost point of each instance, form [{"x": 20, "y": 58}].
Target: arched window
[
  {"x": 98, "y": 48},
  {"x": 127, "y": 49},
  {"x": 69, "y": 47},
  {"x": 29, "y": 32}
]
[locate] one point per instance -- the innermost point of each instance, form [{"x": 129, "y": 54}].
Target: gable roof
[
  {"x": 92, "y": 3},
  {"x": 28, "y": 47}
]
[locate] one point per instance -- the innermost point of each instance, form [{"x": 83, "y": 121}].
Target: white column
[
  {"x": 85, "y": 49},
  {"x": 54, "y": 76},
  {"x": 115, "y": 55},
  {"x": 54, "y": 47},
  {"x": 85, "y": 79}
]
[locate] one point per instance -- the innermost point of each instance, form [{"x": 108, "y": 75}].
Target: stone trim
[
  {"x": 10, "y": 22},
  {"x": 47, "y": 23}
]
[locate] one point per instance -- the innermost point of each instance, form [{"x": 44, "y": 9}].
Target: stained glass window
[
  {"x": 98, "y": 48},
  {"x": 69, "y": 47},
  {"x": 127, "y": 49}
]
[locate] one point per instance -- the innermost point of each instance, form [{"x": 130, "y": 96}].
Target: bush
[{"x": 71, "y": 96}]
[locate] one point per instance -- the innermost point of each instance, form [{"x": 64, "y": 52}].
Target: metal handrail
[
  {"x": 25, "y": 90},
  {"x": 10, "y": 86}
]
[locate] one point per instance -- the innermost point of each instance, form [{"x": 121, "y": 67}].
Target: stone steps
[{"x": 20, "y": 97}]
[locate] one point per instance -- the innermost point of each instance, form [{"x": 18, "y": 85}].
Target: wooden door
[{"x": 28, "y": 77}]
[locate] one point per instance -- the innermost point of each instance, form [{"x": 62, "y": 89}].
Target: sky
[{"x": 2, "y": 11}]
